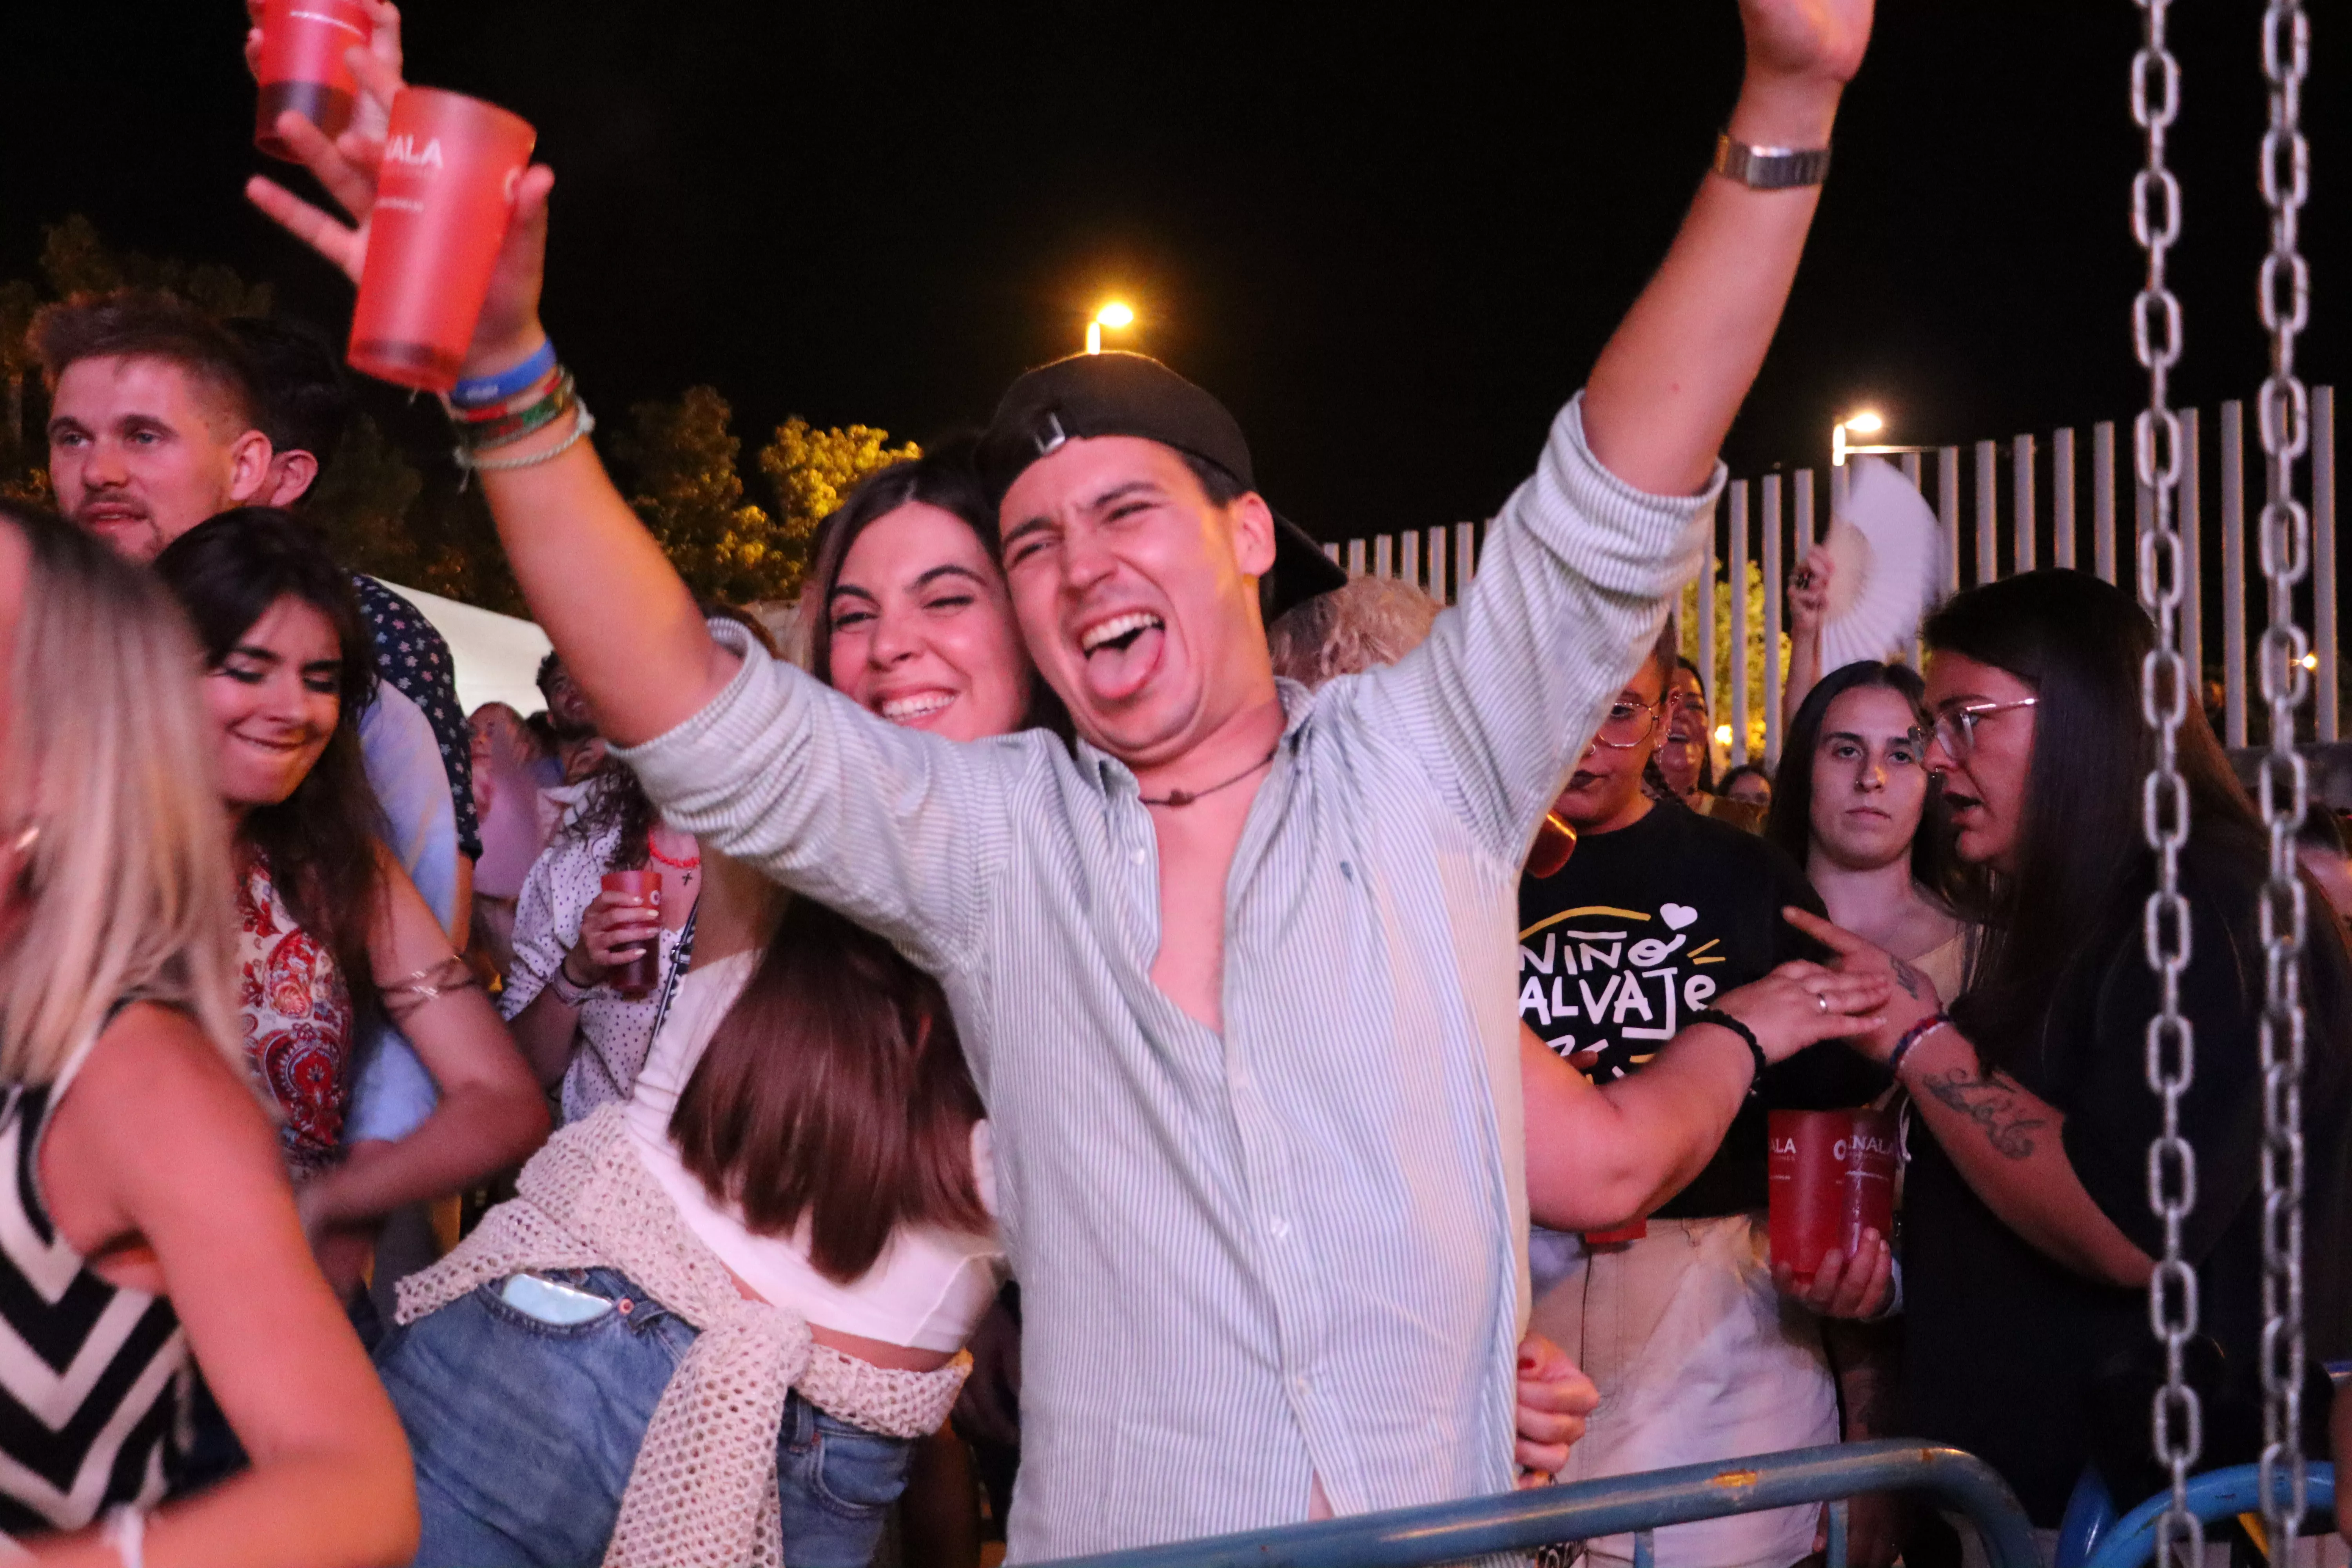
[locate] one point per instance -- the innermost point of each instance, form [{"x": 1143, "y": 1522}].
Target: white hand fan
[{"x": 1885, "y": 544}]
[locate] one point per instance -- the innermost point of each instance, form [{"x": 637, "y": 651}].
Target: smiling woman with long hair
[
  {"x": 331, "y": 928},
  {"x": 790, "y": 1196},
  {"x": 2029, "y": 1236},
  {"x": 150, "y": 1221}
]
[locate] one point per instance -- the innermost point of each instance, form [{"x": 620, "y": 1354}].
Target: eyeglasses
[
  {"x": 1628, "y": 725},
  {"x": 1955, "y": 728}
]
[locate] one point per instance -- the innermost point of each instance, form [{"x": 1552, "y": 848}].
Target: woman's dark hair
[
  {"x": 318, "y": 844},
  {"x": 835, "y": 1087},
  {"x": 945, "y": 478},
  {"x": 1934, "y": 867},
  {"x": 2079, "y": 643},
  {"x": 1745, "y": 770}
]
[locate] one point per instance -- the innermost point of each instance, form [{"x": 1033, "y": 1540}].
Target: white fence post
[{"x": 1738, "y": 661}]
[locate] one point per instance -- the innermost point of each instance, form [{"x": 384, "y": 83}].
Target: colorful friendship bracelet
[
  {"x": 482, "y": 435},
  {"x": 491, "y": 413},
  {"x": 583, "y": 423}
]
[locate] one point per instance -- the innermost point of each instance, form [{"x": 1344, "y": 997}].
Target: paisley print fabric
[{"x": 298, "y": 1023}]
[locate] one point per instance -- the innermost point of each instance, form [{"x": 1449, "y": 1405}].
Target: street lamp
[
  {"x": 1867, "y": 423},
  {"x": 1114, "y": 315}
]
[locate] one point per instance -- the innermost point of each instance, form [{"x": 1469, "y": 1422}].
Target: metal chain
[
  {"x": 2175, "y": 1417},
  {"x": 2285, "y": 294}
]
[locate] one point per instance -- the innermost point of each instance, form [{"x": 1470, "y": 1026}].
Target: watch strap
[{"x": 1770, "y": 168}]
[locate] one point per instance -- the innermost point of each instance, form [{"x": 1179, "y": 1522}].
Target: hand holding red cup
[{"x": 506, "y": 329}]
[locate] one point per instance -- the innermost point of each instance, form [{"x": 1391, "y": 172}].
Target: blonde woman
[{"x": 145, "y": 1219}]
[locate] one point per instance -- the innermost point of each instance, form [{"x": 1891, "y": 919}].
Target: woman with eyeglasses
[{"x": 2029, "y": 1240}]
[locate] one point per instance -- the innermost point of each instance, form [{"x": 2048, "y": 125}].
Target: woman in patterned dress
[
  {"x": 145, "y": 1219},
  {"x": 328, "y": 925}
]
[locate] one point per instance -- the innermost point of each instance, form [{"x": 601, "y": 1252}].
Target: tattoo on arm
[{"x": 1991, "y": 1101}]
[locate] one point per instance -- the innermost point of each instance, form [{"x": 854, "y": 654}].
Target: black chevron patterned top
[{"x": 93, "y": 1378}]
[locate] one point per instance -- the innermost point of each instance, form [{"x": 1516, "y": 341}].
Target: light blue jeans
[{"x": 524, "y": 1434}]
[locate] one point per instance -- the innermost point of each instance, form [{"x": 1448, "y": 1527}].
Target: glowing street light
[
  {"x": 1867, "y": 423},
  {"x": 1115, "y": 316}
]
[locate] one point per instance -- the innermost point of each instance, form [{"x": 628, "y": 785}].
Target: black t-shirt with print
[
  {"x": 2013, "y": 1356},
  {"x": 1648, "y": 925}
]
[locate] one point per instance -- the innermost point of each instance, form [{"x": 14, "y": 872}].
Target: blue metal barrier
[
  {"x": 2215, "y": 1495},
  {"x": 1521, "y": 1521}
]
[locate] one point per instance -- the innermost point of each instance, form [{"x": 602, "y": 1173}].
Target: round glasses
[
  {"x": 1628, "y": 725},
  {"x": 1955, "y": 727}
]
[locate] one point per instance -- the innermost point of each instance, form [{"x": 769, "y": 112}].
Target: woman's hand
[
  {"x": 1809, "y": 591},
  {"x": 1555, "y": 1396},
  {"x": 1800, "y": 1005},
  {"x": 616, "y": 928},
  {"x": 1910, "y": 996},
  {"x": 1859, "y": 1287},
  {"x": 1805, "y": 40},
  {"x": 507, "y": 331}
]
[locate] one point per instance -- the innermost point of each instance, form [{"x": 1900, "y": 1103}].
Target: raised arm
[
  {"x": 1581, "y": 563},
  {"x": 616, "y": 611},
  {"x": 1665, "y": 389}
]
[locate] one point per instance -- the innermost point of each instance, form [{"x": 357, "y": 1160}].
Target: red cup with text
[
  {"x": 638, "y": 976},
  {"x": 303, "y": 67},
  {"x": 1831, "y": 1176},
  {"x": 444, "y": 195}
]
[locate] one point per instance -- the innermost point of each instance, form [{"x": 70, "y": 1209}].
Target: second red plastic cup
[
  {"x": 638, "y": 976},
  {"x": 444, "y": 195},
  {"x": 302, "y": 68},
  {"x": 1831, "y": 1175}
]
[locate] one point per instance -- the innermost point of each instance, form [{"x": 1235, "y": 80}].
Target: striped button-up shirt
[{"x": 1295, "y": 1249}]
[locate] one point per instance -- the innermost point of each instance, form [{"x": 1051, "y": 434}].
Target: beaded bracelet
[{"x": 1723, "y": 1020}]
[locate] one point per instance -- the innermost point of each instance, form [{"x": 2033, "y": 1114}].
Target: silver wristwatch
[{"x": 1770, "y": 168}]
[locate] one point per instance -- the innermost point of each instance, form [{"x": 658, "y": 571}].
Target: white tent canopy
[{"x": 497, "y": 657}]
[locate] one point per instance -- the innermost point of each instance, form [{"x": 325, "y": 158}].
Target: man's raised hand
[
  {"x": 507, "y": 331},
  {"x": 1821, "y": 40}
]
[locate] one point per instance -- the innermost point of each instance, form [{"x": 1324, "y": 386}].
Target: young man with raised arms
[{"x": 1234, "y": 971}]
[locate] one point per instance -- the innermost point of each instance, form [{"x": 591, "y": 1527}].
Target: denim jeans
[{"x": 524, "y": 1434}]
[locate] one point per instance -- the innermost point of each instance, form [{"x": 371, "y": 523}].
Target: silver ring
[{"x": 1822, "y": 1000}]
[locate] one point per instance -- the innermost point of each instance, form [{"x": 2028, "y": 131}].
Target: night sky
[{"x": 1392, "y": 238}]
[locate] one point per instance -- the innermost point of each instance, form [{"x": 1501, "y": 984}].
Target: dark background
[{"x": 1392, "y": 238}]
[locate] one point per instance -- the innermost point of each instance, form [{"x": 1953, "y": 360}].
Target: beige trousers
[{"x": 1698, "y": 1359}]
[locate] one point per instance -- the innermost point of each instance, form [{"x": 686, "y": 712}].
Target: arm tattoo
[
  {"x": 1905, "y": 976},
  {"x": 1992, "y": 1102}
]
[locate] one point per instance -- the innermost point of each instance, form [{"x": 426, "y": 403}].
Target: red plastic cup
[
  {"x": 1831, "y": 1175},
  {"x": 443, "y": 196},
  {"x": 638, "y": 976},
  {"x": 302, "y": 68}
]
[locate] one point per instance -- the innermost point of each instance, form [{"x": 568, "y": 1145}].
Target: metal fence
[
  {"x": 1520, "y": 1523},
  {"x": 2006, "y": 507}
]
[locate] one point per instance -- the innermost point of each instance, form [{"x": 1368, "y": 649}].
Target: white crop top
[{"x": 930, "y": 1288}]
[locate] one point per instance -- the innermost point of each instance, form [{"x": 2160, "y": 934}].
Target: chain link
[
  {"x": 2175, "y": 1417},
  {"x": 2283, "y": 294}
]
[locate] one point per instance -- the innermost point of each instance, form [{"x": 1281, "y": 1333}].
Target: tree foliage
[
  {"x": 385, "y": 515},
  {"x": 1718, "y": 678}
]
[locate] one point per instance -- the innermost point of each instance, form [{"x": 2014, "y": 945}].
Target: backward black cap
[{"x": 1118, "y": 393}]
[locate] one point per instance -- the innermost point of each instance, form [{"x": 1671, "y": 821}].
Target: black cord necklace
[{"x": 1187, "y": 796}]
